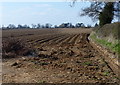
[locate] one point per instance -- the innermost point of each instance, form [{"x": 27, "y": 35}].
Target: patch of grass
[
  {"x": 93, "y": 36},
  {"x": 106, "y": 73},
  {"x": 42, "y": 81},
  {"x": 87, "y": 63},
  {"x": 116, "y": 78},
  {"x": 115, "y": 47}
]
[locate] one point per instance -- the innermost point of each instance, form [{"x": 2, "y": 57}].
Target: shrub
[{"x": 13, "y": 47}]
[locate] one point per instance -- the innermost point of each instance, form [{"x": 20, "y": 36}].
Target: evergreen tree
[{"x": 106, "y": 16}]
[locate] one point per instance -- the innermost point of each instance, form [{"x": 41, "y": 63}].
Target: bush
[{"x": 13, "y": 47}]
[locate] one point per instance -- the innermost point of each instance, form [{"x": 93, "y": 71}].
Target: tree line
[{"x": 48, "y": 25}]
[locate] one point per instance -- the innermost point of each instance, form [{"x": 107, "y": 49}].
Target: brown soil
[{"x": 64, "y": 58}]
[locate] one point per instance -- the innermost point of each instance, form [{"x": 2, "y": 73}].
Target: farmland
[{"x": 61, "y": 56}]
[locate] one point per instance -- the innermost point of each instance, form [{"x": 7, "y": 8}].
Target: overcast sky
[{"x": 42, "y": 12}]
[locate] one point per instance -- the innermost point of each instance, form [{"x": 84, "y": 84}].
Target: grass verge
[{"x": 114, "y": 47}]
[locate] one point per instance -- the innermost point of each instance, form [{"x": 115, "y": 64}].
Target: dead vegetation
[
  {"x": 109, "y": 31},
  {"x": 12, "y": 48}
]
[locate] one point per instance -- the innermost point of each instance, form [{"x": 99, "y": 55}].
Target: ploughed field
[{"x": 62, "y": 56}]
